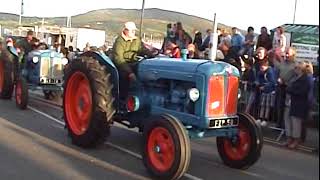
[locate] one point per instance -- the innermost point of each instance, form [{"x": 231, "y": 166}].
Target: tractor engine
[{"x": 170, "y": 94}]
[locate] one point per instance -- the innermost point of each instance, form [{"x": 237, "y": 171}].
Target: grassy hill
[{"x": 112, "y": 20}]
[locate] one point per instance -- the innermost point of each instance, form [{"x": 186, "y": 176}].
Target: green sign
[{"x": 301, "y": 38}]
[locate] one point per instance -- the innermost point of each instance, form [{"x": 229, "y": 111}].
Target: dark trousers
[
  {"x": 124, "y": 71},
  {"x": 280, "y": 105}
]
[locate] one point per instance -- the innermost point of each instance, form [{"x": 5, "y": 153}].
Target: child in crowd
[{"x": 266, "y": 85}]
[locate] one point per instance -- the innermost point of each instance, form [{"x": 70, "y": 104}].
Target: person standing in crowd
[
  {"x": 87, "y": 48},
  {"x": 172, "y": 50},
  {"x": 183, "y": 39},
  {"x": 279, "y": 43},
  {"x": 170, "y": 33},
  {"x": 299, "y": 108},
  {"x": 248, "y": 46},
  {"x": 311, "y": 98},
  {"x": 225, "y": 42},
  {"x": 261, "y": 56},
  {"x": 170, "y": 37},
  {"x": 264, "y": 39},
  {"x": 246, "y": 70},
  {"x": 207, "y": 40},
  {"x": 237, "y": 41},
  {"x": 286, "y": 75},
  {"x": 197, "y": 41},
  {"x": 71, "y": 53},
  {"x": 266, "y": 86}
]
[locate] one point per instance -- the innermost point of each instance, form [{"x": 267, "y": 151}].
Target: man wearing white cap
[{"x": 125, "y": 50}]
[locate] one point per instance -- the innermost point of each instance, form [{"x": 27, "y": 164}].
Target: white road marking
[
  {"x": 47, "y": 115},
  {"x": 136, "y": 155},
  {"x": 107, "y": 143}
]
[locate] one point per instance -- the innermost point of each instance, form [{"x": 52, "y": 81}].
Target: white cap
[{"x": 130, "y": 26}]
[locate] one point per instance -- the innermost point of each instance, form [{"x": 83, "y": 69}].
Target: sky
[{"x": 241, "y": 14}]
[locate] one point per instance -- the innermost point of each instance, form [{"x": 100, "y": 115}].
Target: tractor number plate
[{"x": 221, "y": 123}]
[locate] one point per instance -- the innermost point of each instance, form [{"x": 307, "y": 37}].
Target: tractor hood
[
  {"x": 157, "y": 67},
  {"x": 170, "y": 64}
]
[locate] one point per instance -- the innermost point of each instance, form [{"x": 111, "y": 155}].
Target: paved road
[{"x": 34, "y": 146}]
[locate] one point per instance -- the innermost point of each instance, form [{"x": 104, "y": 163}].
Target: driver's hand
[{"x": 132, "y": 77}]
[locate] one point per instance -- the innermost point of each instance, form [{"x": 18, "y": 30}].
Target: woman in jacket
[{"x": 299, "y": 109}]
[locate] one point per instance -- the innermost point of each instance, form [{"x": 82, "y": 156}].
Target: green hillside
[{"x": 112, "y": 20}]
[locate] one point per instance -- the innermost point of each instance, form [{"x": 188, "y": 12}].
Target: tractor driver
[{"x": 125, "y": 50}]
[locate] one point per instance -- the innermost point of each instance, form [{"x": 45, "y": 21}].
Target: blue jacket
[
  {"x": 298, "y": 91},
  {"x": 237, "y": 40},
  {"x": 267, "y": 80},
  {"x": 311, "y": 98}
]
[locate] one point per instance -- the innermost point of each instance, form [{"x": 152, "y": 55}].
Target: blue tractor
[
  {"x": 40, "y": 70},
  {"x": 174, "y": 100}
]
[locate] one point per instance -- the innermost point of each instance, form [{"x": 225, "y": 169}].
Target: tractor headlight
[
  {"x": 64, "y": 61},
  {"x": 35, "y": 59},
  {"x": 194, "y": 94}
]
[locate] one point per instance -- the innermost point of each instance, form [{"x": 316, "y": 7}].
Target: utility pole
[
  {"x": 69, "y": 21},
  {"x": 294, "y": 13},
  {"x": 21, "y": 13},
  {"x": 141, "y": 18},
  {"x": 214, "y": 40}
]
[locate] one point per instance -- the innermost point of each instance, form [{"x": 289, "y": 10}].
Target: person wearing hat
[{"x": 125, "y": 50}]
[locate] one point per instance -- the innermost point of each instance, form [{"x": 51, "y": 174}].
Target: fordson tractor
[
  {"x": 173, "y": 100},
  {"x": 41, "y": 70}
]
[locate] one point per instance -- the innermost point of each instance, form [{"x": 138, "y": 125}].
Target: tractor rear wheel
[
  {"x": 245, "y": 149},
  {"x": 6, "y": 78},
  {"x": 87, "y": 102},
  {"x": 166, "y": 148}
]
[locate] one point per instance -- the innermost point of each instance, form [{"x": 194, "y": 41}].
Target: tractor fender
[{"x": 105, "y": 60}]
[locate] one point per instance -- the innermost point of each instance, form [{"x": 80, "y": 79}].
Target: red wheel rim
[
  {"x": 161, "y": 149},
  {"x": 241, "y": 148},
  {"x": 78, "y": 103},
  {"x": 18, "y": 92},
  {"x": 1, "y": 76}
]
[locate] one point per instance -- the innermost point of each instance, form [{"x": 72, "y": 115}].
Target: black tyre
[
  {"x": 21, "y": 93},
  {"x": 246, "y": 149},
  {"x": 87, "y": 102},
  {"x": 166, "y": 148},
  {"x": 6, "y": 77}
]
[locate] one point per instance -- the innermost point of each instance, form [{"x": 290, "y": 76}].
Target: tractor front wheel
[
  {"x": 166, "y": 149},
  {"x": 244, "y": 150}
]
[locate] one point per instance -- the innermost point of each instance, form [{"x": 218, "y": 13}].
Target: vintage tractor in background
[
  {"x": 40, "y": 70},
  {"x": 173, "y": 100}
]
